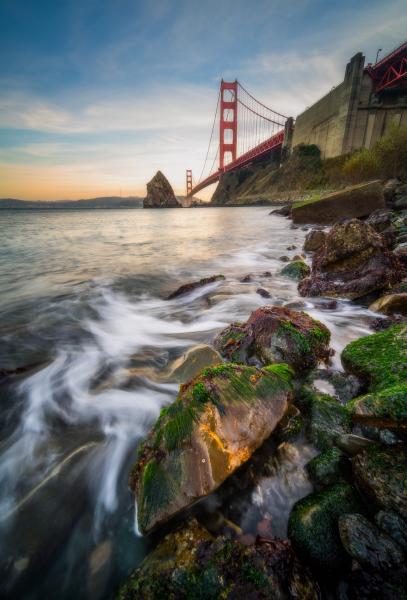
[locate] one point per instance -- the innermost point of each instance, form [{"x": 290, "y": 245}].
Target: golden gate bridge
[{"x": 248, "y": 130}]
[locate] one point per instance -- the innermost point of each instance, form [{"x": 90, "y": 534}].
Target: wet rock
[
  {"x": 219, "y": 569},
  {"x": 295, "y": 304},
  {"x": 401, "y": 253},
  {"x": 189, "y": 287},
  {"x": 381, "y": 474},
  {"x": 291, "y": 247},
  {"x": 391, "y": 523},
  {"x": 263, "y": 293},
  {"x": 327, "y": 468},
  {"x": 246, "y": 279},
  {"x": 384, "y": 409},
  {"x": 357, "y": 201},
  {"x": 342, "y": 386},
  {"x": 352, "y": 444},
  {"x": 275, "y": 334},
  {"x": 187, "y": 366},
  {"x": 379, "y": 359},
  {"x": 313, "y": 529},
  {"x": 290, "y": 425},
  {"x": 391, "y": 304},
  {"x": 284, "y": 258},
  {"x": 327, "y": 419},
  {"x": 314, "y": 240},
  {"x": 266, "y": 274},
  {"x": 160, "y": 193},
  {"x": 380, "y": 219},
  {"x": 217, "y": 421},
  {"x": 368, "y": 545},
  {"x": 399, "y": 201},
  {"x": 353, "y": 262},
  {"x": 296, "y": 269},
  {"x": 284, "y": 211},
  {"x": 389, "y": 189}
]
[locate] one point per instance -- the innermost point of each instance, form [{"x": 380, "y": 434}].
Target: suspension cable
[{"x": 210, "y": 139}]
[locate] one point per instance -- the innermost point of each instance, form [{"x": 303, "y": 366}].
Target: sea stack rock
[{"x": 160, "y": 193}]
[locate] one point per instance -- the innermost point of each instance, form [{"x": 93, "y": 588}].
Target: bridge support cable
[{"x": 248, "y": 131}]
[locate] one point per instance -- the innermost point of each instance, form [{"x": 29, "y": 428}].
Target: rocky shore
[{"x": 267, "y": 383}]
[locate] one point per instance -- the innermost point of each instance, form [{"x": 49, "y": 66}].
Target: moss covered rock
[
  {"x": 379, "y": 359},
  {"x": 385, "y": 409},
  {"x": 327, "y": 468},
  {"x": 297, "y": 269},
  {"x": 313, "y": 528},
  {"x": 217, "y": 421},
  {"x": 221, "y": 569},
  {"x": 275, "y": 334},
  {"x": 381, "y": 474},
  {"x": 326, "y": 418},
  {"x": 353, "y": 262}
]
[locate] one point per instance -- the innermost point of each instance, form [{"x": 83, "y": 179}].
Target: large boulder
[
  {"x": 217, "y": 421},
  {"x": 189, "y": 564},
  {"x": 275, "y": 334},
  {"x": 353, "y": 262},
  {"x": 313, "y": 528},
  {"x": 380, "y": 362},
  {"x": 357, "y": 201},
  {"x": 381, "y": 474},
  {"x": 160, "y": 193}
]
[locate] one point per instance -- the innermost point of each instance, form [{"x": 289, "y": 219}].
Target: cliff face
[{"x": 160, "y": 193}]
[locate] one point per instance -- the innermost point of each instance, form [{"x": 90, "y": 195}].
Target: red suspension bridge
[{"x": 247, "y": 131}]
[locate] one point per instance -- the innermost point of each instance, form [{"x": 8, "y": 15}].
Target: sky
[{"x": 96, "y": 96}]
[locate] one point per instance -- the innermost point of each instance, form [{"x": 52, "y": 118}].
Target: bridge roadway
[{"x": 275, "y": 142}]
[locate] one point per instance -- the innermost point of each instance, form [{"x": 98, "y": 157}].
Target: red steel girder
[{"x": 391, "y": 71}]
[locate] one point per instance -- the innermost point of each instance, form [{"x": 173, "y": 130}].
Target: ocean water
[{"x": 85, "y": 334}]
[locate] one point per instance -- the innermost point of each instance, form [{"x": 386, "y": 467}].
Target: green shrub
[
  {"x": 387, "y": 158},
  {"x": 361, "y": 166}
]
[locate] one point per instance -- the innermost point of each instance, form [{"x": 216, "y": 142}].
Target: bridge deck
[{"x": 273, "y": 143}]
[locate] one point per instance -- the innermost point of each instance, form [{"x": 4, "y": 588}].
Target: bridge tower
[
  {"x": 189, "y": 182},
  {"x": 228, "y": 121}
]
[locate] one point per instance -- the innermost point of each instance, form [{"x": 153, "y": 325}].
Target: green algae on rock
[
  {"x": 327, "y": 418},
  {"x": 297, "y": 269},
  {"x": 189, "y": 565},
  {"x": 381, "y": 474},
  {"x": 379, "y": 359},
  {"x": 313, "y": 528},
  {"x": 217, "y": 421},
  {"x": 327, "y": 468},
  {"x": 385, "y": 409},
  {"x": 275, "y": 334}
]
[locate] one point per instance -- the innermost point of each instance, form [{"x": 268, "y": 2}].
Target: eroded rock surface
[
  {"x": 190, "y": 287},
  {"x": 353, "y": 262}
]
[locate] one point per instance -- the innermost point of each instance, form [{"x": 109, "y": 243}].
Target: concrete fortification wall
[{"x": 351, "y": 116}]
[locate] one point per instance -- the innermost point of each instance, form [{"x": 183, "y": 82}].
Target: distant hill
[{"x": 105, "y": 202}]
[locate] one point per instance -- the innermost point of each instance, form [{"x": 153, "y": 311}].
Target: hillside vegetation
[{"x": 305, "y": 172}]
